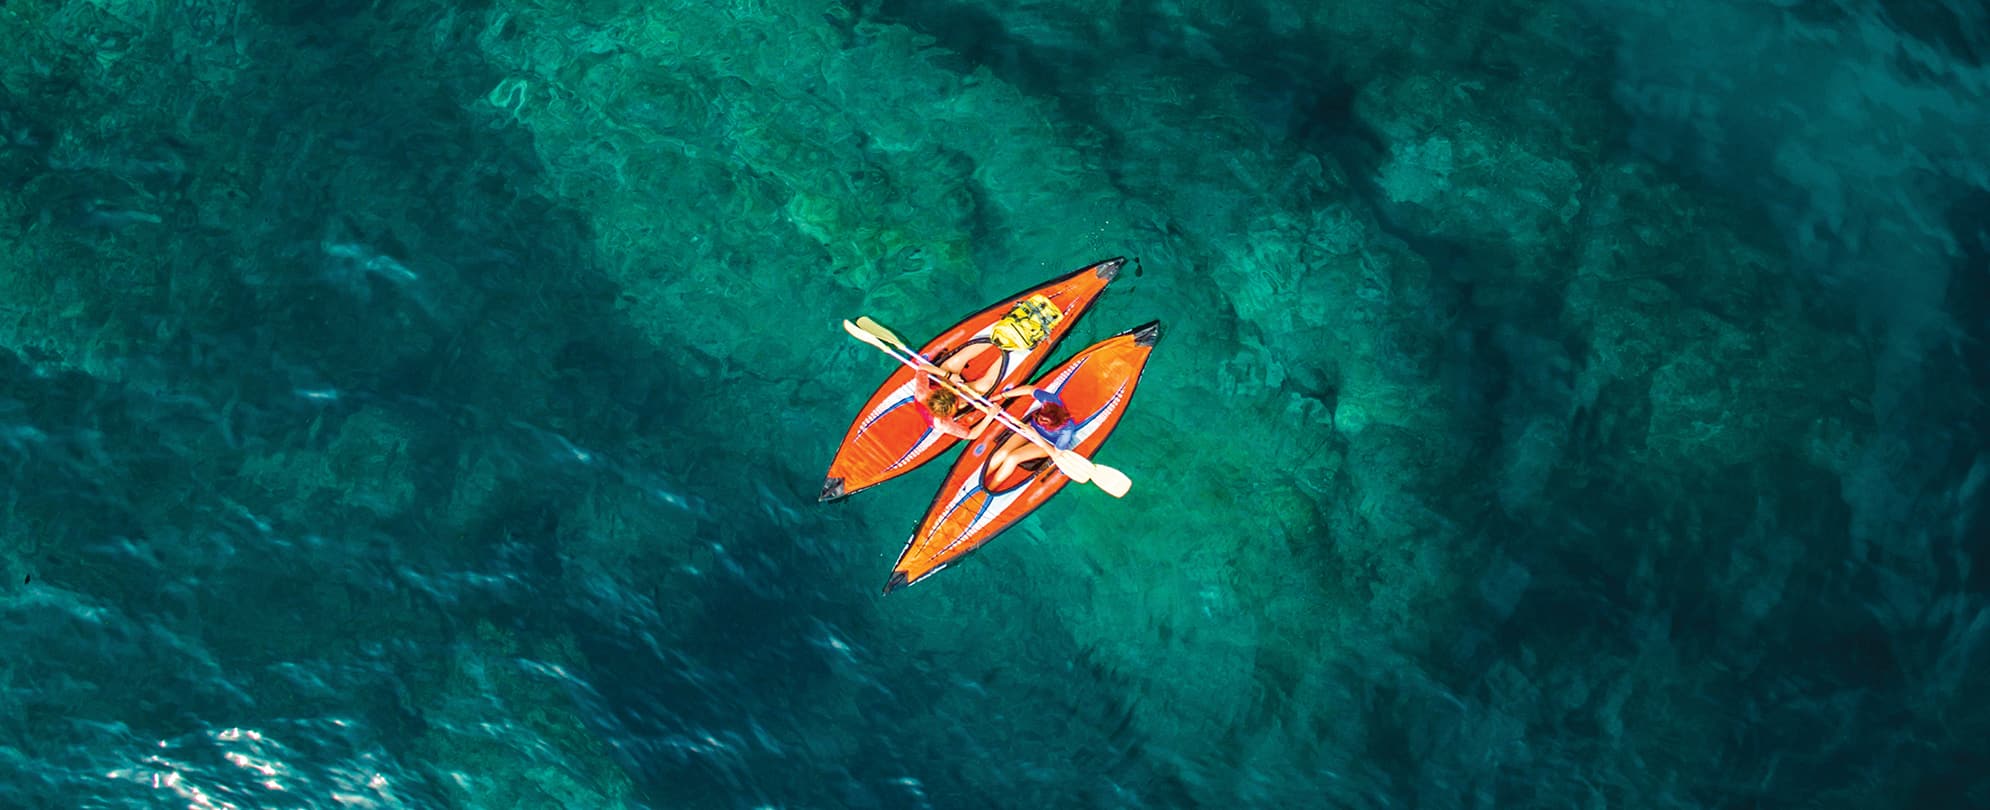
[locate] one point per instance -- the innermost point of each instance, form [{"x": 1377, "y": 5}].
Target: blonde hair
[{"x": 942, "y": 402}]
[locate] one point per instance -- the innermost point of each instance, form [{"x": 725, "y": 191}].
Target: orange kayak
[
  {"x": 1095, "y": 386},
  {"x": 890, "y": 438}
]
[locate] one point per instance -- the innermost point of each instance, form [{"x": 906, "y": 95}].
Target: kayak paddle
[{"x": 1075, "y": 466}]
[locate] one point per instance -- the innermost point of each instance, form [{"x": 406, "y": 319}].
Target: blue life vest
[{"x": 1066, "y": 436}]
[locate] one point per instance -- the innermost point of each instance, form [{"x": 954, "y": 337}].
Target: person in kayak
[
  {"x": 1026, "y": 326},
  {"x": 1051, "y": 420},
  {"x": 946, "y": 411}
]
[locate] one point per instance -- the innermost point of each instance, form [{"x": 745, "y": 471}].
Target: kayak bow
[{"x": 889, "y": 437}]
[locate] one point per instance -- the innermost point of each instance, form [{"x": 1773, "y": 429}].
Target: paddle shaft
[
  {"x": 984, "y": 404},
  {"x": 873, "y": 332},
  {"x": 1077, "y": 467}
]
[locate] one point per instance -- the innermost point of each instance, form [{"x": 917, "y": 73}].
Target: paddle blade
[
  {"x": 864, "y": 322},
  {"x": 1114, "y": 482},
  {"x": 864, "y": 335},
  {"x": 908, "y": 358},
  {"x": 1074, "y": 466}
]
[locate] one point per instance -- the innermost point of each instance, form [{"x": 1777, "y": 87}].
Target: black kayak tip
[
  {"x": 1109, "y": 269},
  {"x": 831, "y": 490},
  {"x": 898, "y": 580},
  {"x": 1147, "y": 334}
]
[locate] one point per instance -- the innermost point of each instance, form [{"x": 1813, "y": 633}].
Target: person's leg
[
  {"x": 998, "y": 460},
  {"x": 986, "y": 383},
  {"x": 1018, "y": 453},
  {"x": 958, "y": 361},
  {"x": 1027, "y": 453},
  {"x": 955, "y": 366}
]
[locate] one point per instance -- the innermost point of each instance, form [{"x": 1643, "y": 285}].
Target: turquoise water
[{"x": 406, "y": 404}]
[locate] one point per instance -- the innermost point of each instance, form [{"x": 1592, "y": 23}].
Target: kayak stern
[{"x": 831, "y": 490}]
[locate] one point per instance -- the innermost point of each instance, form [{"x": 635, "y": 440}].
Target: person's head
[
  {"x": 942, "y": 402},
  {"x": 1051, "y": 416}
]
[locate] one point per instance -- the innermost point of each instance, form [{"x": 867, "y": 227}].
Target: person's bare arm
[{"x": 979, "y": 429}]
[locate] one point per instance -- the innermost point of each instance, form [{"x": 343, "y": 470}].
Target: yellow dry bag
[{"x": 1026, "y": 325}]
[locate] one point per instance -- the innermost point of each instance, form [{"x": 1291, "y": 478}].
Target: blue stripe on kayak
[
  {"x": 1103, "y": 409},
  {"x": 972, "y": 522},
  {"x": 881, "y": 414},
  {"x": 915, "y": 448}
]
